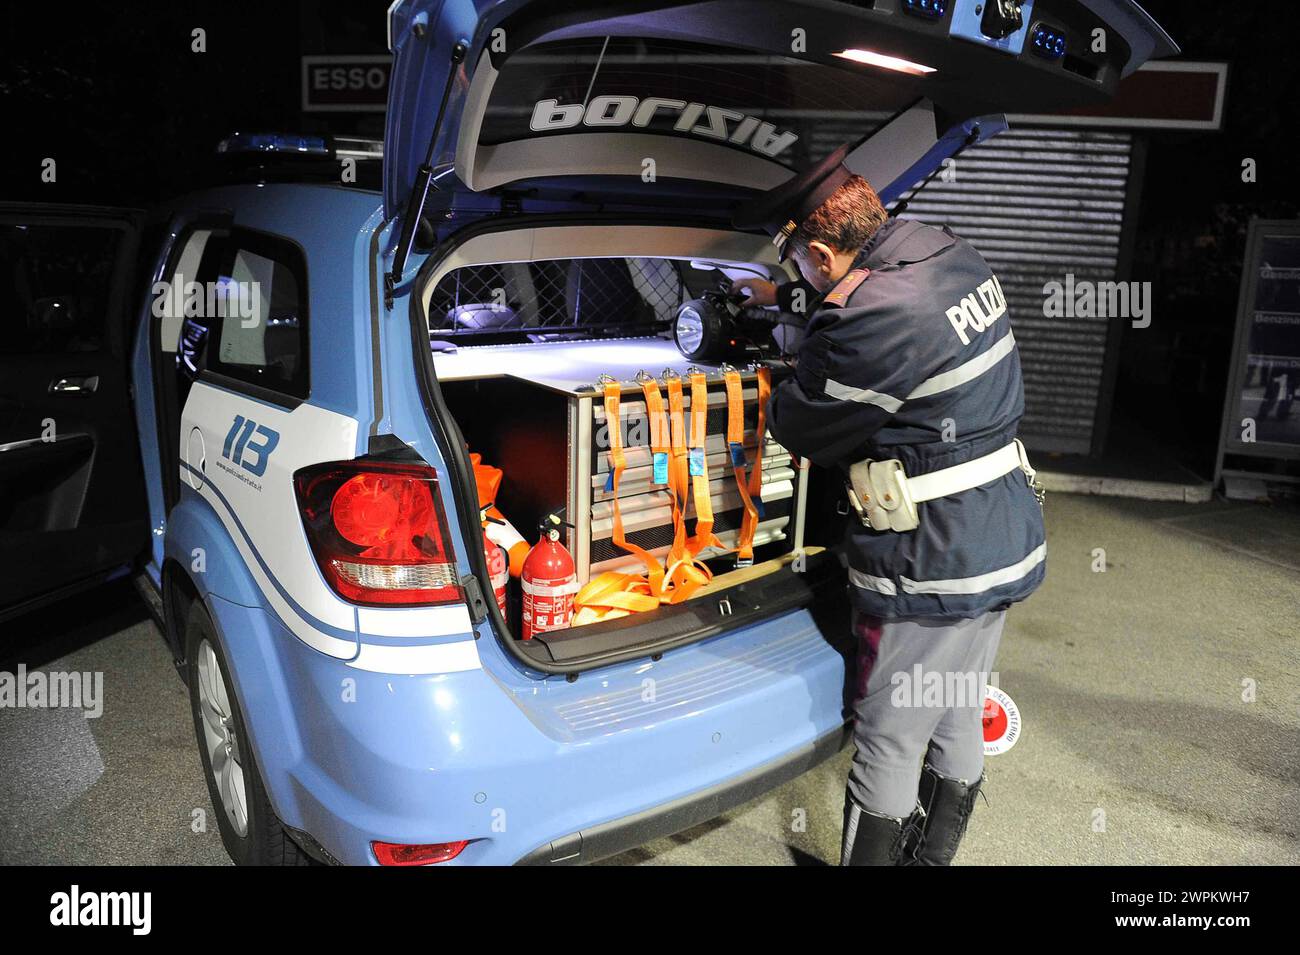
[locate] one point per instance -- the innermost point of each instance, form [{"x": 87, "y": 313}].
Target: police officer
[{"x": 908, "y": 384}]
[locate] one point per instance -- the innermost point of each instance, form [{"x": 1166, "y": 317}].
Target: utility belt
[{"x": 885, "y": 498}]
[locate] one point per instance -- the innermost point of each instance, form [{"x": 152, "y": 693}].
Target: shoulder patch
[{"x": 839, "y": 295}]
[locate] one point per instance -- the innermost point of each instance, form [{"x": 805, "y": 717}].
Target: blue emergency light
[
  {"x": 929, "y": 9},
  {"x": 1048, "y": 42},
  {"x": 279, "y": 143}
]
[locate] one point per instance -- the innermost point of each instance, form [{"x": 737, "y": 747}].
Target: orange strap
[
  {"x": 614, "y": 594},
  {"x": 655, "y": 417},
  {"x": 736, "y": 448},
  {"x": 618, "y": 462},
  {"x": 698, "y": 463},
  {"x": 685, "y": 574},
  {"x": 611, "y": 595},
  {"x": 678, "y": 473},
  {"x": 750, "y": 524}
]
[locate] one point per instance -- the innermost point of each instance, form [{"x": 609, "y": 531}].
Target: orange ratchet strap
[
  {"x": 698, "y": 466},
  {"x": 678, "y": 479},
  {"x": 685, "y": 573},
  {"x": 657, "y": 418},
  {"x": 618, "y": 462},
  {"x": 748, "y": 530},
  {"x": 736, "y": 447},
  {"x": 610, "y": 595},
  {"x": 613, "y": 594}
]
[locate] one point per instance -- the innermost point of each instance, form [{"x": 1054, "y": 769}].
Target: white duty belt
[{"x": 885, "y": 498}]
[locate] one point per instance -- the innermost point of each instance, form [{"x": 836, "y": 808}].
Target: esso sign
[
  {"x": 348, "y": 78},
  {"x": 345, "y": 83}
]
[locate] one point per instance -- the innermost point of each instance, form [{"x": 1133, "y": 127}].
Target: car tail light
[
  {"x": 393, "y": 853},
  {"x": 378, "y": 532}
]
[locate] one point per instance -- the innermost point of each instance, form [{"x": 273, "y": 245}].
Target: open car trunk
[
  {"x": 550, "y": 442},
  {"x": 565, "y": 160},
  {"x": 519, "y": 378}
]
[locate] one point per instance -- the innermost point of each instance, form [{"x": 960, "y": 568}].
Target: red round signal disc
[
  {"x": 1001, "y": 722},
  {"x": 995, "y": 721}
]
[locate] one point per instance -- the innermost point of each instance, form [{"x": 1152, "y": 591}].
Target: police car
[{"x": 311, "y": 366}]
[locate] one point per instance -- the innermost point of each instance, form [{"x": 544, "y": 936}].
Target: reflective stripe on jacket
[{"x": 917, "y": 362}]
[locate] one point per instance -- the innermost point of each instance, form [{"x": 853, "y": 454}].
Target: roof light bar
[
  {"x": 291, "y": 143},
  {"x": 299, "y": 145}
]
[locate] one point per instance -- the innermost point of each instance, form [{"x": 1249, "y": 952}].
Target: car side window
[
  {"x": 255, "y": 308},
  {"x": 55, "y": 284}
]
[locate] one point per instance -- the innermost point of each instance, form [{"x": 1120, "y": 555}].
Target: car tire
[{"x": 250, "y": 830}]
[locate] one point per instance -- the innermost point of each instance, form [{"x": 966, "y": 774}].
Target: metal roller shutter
[{"x": 1038, "y": 204}]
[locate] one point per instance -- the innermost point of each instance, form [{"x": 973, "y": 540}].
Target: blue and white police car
[{"x": 301, "y": 382}]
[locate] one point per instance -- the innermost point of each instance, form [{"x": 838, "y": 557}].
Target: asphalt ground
[{"x": 1160, "y": 698}]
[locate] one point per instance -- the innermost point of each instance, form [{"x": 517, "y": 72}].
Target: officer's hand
[{"x": 760, "y": 291}]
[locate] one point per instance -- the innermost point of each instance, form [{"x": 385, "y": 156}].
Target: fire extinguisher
[
  {"x": 498, "y": 570},
  {"x": 549, "y": 581}
]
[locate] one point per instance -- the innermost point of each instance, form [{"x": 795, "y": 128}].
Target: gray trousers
[{"x": 920, "y": 688}]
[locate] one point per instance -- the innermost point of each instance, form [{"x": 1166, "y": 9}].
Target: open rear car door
[
  {"x": 637, "y": 104},
  {"x": 72, "y": 503}
]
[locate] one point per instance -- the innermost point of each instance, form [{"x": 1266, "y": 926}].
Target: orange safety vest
[{"x": 499, "y": 530}]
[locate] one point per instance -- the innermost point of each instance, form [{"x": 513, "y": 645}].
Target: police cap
[{"x": 782, "y": 209}]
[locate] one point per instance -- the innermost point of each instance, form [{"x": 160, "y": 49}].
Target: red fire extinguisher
[
  {"x": 549, "y": 581},
  {"x": 497, "y": 562},
  {"x": 498, "y": 570}
]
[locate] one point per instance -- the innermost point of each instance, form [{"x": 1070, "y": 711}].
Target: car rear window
[
  {"x": 562, "y": 298},
  {"x": 259, "y": 336}
]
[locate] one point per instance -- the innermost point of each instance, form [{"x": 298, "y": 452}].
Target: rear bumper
[
  {"x": 527, "y": 769},
  {"x": 619, "y": 835}
]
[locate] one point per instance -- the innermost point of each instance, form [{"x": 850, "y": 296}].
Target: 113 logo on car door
[{"x": 249, "y": 445}]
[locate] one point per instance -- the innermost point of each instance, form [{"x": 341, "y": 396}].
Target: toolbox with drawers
[{"x": 542, "y": 420}]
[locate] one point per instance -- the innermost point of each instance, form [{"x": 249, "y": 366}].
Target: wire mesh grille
[{"x": 559, "y": 297}]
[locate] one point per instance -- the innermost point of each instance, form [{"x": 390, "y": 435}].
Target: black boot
[
  {"x": 945, "y": 808},
  {"x": 870, "y": 838}
]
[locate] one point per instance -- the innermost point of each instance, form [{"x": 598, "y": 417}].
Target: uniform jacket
[{"x": 917, "y": 362}]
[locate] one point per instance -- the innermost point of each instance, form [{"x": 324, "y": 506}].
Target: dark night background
[{"x": 131, "y": 114}]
